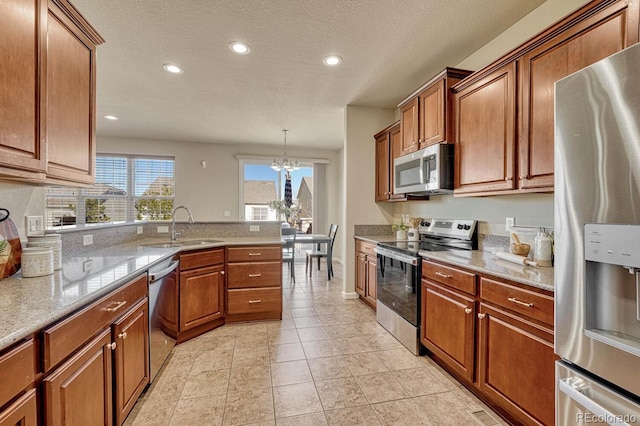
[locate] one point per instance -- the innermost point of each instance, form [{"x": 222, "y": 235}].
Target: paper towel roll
[{"x": 520, "y": 260}]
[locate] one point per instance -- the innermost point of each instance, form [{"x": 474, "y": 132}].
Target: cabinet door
[
  {"x": 21, "y": 31},
  {"x": 361, "y": 273},
  {"x": 78, "y": 393},
  {"x": 131, "y": 358},
  {"x": 432, "y": 114},
  {"x": 593, "y": 39},
  {"x": 409, "y": 127},
  {"x": 371, "y": 281},
  {"x": 516, "y": 365},
  {"x": 383, "y": 167},
  {"x": 395, "y": 149},
  {"x": 23, "y": 412},
  {"x": 485, "y": 117},
  {"x": 70, "y": 95},
  {"x": 201, "y": 296},
  {"x": 448, "y": 328}
]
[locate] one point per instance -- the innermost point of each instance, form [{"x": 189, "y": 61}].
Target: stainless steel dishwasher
[{"x": 163, "y": 281}]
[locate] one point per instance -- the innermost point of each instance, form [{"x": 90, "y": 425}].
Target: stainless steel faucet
[{"x": 175, "y": 234}]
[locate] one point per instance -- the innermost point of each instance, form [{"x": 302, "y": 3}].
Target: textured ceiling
[{"x": 389, "y": 48}]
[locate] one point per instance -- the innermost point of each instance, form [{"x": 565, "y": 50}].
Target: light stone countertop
[
  {"x": 484, "y": 262},
  {"x": 30, "y": 304}
]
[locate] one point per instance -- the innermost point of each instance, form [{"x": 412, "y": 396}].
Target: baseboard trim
[{"x": 350, "y": 295}]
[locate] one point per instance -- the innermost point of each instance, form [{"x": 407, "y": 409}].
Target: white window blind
[{"x": 126, "y": 189}]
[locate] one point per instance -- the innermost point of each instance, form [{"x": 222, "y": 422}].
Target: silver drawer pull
[
  {"x": 519, "y": 302},
  {"x": 255, "y": 254},
  {"x": 467, "y": 310},
  {"x": 118, "y": 306},
  {"x": 481, "y": 316},
  {"x": 112, "y": 346},
  {"x": 255, "y": 301},
  {"x": 123, "y": 335},
  {"x": 254, "y": 275},
  {"x": 440, "y": 274}
]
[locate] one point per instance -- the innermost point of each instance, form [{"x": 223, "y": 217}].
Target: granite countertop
[
  {"x": 484, "y": 262},
  {"x": 30, "y": 304}
]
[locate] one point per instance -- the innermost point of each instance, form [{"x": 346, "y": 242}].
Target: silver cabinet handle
[
  {"x": 519, "y": 302},
  {"x": 123, "y": 335},
  {"x": 118, "y": 306},
  {"x": 255, "y": 254},
  {"x": 255, "y": 301},
  {"x": 112, "y": 346},
  {"x": 440, "y": 274},
  {"x": 481, "y": 316},
  {"x": 221, "y": 272},
  {"x": 467, "y": 310},
  {"x": 254, "y": 275}
]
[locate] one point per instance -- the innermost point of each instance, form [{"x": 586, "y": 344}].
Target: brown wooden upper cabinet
[
  {"x": 388, "y": 148},
  {"x": 504, "y": 124},
  {"x": 47, "y": 100},
  {"x": 426, "y": 113}
]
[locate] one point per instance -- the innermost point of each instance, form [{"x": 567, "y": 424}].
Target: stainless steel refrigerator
[{"x": 597, "y": 242}]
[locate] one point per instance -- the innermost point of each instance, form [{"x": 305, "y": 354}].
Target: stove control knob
[
  {"x": 459, "y": 226},
  {"x": 467, "y": 227}
]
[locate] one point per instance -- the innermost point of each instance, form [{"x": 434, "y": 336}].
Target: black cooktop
[{"x": 413, "y": 246}]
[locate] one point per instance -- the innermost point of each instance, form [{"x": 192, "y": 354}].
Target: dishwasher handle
[{"x": 158, "y": 275}]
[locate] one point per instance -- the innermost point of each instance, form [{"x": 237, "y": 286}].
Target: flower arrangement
[
  {"x": 291, "y": 213},
  {"x": 399, "y": 227}
]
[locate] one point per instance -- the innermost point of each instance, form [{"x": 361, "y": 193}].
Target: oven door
[{"x": 398, "y": 285}]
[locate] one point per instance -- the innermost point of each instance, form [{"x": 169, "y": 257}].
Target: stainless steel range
[{"x": 400, "y": 269}]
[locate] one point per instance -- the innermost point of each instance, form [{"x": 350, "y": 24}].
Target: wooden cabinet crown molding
[
  {"x": 585, "y": 12},
  {"x": 450, "y": 72},
  {"x": 79, "y": 20}
]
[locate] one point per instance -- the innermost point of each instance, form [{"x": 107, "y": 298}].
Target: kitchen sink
[{"x": 183, "y": 243}]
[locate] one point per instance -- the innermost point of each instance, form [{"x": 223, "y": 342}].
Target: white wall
[
  {"x": 21, "y": 200},
  {"x": 359, "y": 180}
]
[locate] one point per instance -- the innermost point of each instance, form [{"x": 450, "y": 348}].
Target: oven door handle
[
  {"x": 588, "y": 403},
  {"x": 397, "y": 256}
]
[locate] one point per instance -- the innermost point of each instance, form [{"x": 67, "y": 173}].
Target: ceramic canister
[
  {"x": 37, "y": 261},
  {"x": 53, "y": 241}
]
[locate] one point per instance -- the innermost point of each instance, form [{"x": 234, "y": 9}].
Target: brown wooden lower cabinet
[
  {"x": 79, "y": 392},
  {"x": 201, "y": 296},
  {"x": 23, "y": 412},
  {"x": 448, "y": 327},
  {"x": 131, "y": 368},
  {"x": 497, "y": 340},
  {"x": 366, "y": 272},
  {"x": 516, "y": 365}
]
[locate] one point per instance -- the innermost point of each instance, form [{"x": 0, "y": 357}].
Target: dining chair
[
  {"x": 289, "y": 249},
  {"x": 319, "y": 254}
]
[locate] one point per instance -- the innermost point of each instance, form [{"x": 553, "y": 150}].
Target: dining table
[{"x": 319, "y": 239}]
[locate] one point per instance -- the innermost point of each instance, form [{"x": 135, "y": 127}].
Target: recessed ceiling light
[
  {"x": 111, "y": 117},
  {"x": 332, "y": 61},
  {"x": 239, "y": 47},
  {"x": 174, "y": 69}
]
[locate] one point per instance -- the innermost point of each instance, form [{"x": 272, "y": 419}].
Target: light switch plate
[
  {"x": 162, "y": 229},
  {"x": 34, "y": 225},
  {"x": 87, "y": 240},
  {"x": 139, "y": 230},
  {"x": 254, "y": 228},
  {"x": 227, "y": 213}
]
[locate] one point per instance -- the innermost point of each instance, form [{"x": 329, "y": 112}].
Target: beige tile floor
[{"x": 328, "y": 362}]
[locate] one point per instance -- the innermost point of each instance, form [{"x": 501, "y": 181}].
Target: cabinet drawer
[
  {"x": 452, "y": 277},
  {"x": 254, "y": 253},
  {"x": 202, "y": 258},
  {"x": 534, "y": 305},
  {"x": 260, "y": 274},
  {"x": 65, "y": 337},
  {"x": 366, "y": 247},
  {"x": 254, "y": 300},
  {"x": 16, "y": 370}
]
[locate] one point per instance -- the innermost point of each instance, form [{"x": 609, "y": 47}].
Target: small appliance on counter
[{"x": 400, "y": 269}]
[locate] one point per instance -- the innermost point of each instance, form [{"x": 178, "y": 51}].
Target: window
[
  {"x": 126, "y": 189},
  {"x": 260, "y": 213}
]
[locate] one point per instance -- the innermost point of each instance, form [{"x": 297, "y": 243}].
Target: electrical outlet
[
  {"x": 139, "y": 230},
  {"x": 87, "y": 265},
  {"x": 162, "y": 229},
  {"x": 227, "y": 213},
  {"x": 510, "y": 222},
  {"x": 87, "y": 240},
  {"x": 34, "y": 225},
  {"x": 254, "y": 228}
]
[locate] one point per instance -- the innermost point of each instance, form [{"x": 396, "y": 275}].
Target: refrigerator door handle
[{"x": 588, "y": 403}]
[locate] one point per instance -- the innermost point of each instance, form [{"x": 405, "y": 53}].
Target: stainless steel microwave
[{"x": 427, "y": 171}]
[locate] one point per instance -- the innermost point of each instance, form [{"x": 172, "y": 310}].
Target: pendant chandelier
[{"x": 284, "y": 162}]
